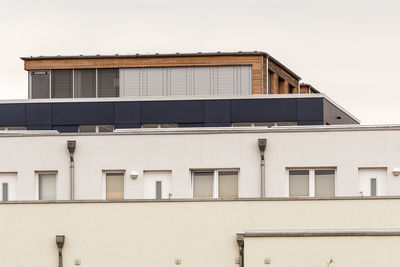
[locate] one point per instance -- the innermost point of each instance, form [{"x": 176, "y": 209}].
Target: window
[
  {"x": 13, "y": 128},
  {"x": 61, "y": 84},
  {"x": 298, "y": 183},
  {"x": 96, "y": 128},
  {"x": 115, "y": 185},
  {"x": 215, "y": 184},
  {"x": 108, "y": 82},
  {"x": 324, "y": 183},
  {"x": 264, "y": 124},
  {"x": 47, "y": 186},
  {"x": 310, "y": 183},
  {"x": 5, "y": 191},
  {"x": 85, "y": 83},
  {"x": 158, "y": 190},
  {"x": 40, "y": 84},
  {"x": 373, "y": 187},
  {"x": 164, "y": 125}
]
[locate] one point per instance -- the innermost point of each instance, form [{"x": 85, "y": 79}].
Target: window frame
[
  {"x": 37, "y": 184},
  {"x": 266, "y": 124},
  {"x": 50, "y": 73},
  {"x": 97, "y": 128},
  {"x": 215, "y": 181},
  {"x": 311, "y": 180},
  {"x": 104, "y": 179}
]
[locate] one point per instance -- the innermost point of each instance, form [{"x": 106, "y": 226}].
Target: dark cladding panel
[
  {"x": 309, "y": 109},
  {"x": 217, "y": 111},
  {"x": 309, "y": 123},
  {"x": 183, "y": 125},
  {"x": 12, "y": 114},
  {"x": 254, "y": 110},
  {"x": 38, "y": 114},
  {"x": 334, "y": 115},
  {"x": 127, "y": 126},
  {"x": 39, "y": 127},
  {"x": 172, "y": 111},
  {"x": 217, "y": 124},
  {"x": 127, "y": 112},
  {"x": 66, "y": 128},
  {"x": 83, "y": 113}
]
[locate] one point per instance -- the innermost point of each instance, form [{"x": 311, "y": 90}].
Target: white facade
[{"x": 356, "y": 154}]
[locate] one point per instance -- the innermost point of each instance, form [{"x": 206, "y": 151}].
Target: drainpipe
[
  {"x": 240, "y": 241},
  {"x": 71, "y": 145},
  {"x": 262, "y": 144}
]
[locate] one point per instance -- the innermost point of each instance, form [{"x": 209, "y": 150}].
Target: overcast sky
[{"x": 347, "y": 49}]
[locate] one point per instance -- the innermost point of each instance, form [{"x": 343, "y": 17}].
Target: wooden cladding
[{"x": 256, "y": 61}]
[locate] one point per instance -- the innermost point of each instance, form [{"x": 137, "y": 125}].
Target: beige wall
[
  {"x": 199, "y": 233},
  {"x": 319, "y": 251}
]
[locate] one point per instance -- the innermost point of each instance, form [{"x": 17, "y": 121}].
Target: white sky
[{"x": 347, "y": 49}]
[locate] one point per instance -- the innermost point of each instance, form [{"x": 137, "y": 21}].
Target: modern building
[
  {"x": 102, "y": 93},
  {"x": 206, "y": 159}
]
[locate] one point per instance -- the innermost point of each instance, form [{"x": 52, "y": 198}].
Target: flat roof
[
  {"x": 157, "y": 55},
  {"x": 212, "y": 130}
]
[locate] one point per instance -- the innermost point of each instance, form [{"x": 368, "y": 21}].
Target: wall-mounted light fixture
[
  {"x": 396, "y": 171},
  {"x": 134, "y": 174},
  {"x": 60, "y": 239}
]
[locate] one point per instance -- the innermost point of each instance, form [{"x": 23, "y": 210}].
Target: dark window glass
[
  {"x": 373, "y": 187},
  {"x": 85, "y": 83},
  {"x": 5, "y": 192},
  {"x": 61, "y": 84},
  {"x": 40, "y": 83},
  {"x": 158, "y": 190},
  {"x": 108, "y": 82}
]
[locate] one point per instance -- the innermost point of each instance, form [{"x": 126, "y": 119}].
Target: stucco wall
[
  {"x": 180, "y": 152},
  {"x": 199, "y": 233}
]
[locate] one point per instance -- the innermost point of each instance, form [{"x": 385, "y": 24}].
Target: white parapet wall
[
  {"x": 355, "y": 154},
  {"x": 200, "y": 233}
]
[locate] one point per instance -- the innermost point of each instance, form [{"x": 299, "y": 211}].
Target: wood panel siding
[
  {"x": 280, "y": 73},
  {"x": 256, "y": 61}
]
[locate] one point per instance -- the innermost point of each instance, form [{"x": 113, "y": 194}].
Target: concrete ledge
[
  {"x": 317, "y": 233},
  {"x": 191, "y": 200}
]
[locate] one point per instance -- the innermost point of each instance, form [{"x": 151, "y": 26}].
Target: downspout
[
  {"x": 240, "y": 241},
  {"x": 71, "y": 145},
  {"x": 267, "y": 75},
  {"x": 262, "y": 144}
]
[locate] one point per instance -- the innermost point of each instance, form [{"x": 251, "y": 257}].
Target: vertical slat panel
[
  {"x": 108, "y": 82},
  {"x": 225, "y": 80},
  {"x": 178, "y": 81},
  {"x": 130, "y": 82},
  {"x": 245, "y": 80},
  {"x": 61, "y": 84},
  {"x": 202, "y": 80},
  {"x": 155, "y": 82},
  {"x": 85, "y": 83},
  {"x": 40, "y": 84}
]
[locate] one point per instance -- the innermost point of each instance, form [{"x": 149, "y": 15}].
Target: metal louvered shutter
[
  {"x": 85, "y": 83},
  {"x": 40, "y": 84},
  {"x": 178, "y": 81},
  {"x": 225, "y": 80},
  {"x": 154, "y": 85},
  {"x": 108, "y": 82},
  {"x": 244, "y": 81},
  {"x": 61, "y": 83},
  {"x": 202, "y": 81},
  {"x": 130, "y": 82}
]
